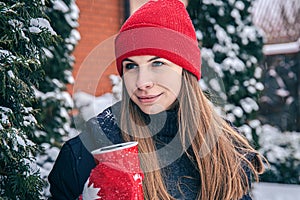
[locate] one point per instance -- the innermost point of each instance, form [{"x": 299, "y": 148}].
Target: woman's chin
[{"x": 152, "y": 109}]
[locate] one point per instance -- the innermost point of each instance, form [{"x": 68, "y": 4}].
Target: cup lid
[{"x": 114, "y": 147}]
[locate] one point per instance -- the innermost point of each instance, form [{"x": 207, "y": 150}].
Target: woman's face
[{"x": 152, "y": 83}]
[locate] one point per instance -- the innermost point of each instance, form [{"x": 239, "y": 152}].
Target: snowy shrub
[
  {"x": 282, "y": 150},
  {"x": 231, "y": 48},
  {"x": 24, "y": 31},
  {"x": 53, "y": 99}
]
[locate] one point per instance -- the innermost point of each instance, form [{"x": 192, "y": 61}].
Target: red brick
[{"x": 98, "y": 21}]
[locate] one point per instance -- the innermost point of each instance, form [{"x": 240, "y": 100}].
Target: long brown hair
[{"x": 219, "y": 150}]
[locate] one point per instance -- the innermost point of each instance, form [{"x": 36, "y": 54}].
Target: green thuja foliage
[
  {"x": 24, "y": 31},
  {"x": 54, "y": 101}
]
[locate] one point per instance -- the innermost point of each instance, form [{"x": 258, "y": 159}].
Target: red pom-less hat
[{"x": 162, "y": 28}]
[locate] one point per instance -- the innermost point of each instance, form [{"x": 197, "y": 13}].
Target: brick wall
[{"x": 99, "y": 20}]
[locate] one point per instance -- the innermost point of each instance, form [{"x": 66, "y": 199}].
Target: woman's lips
[{"x": 148, "y": 98}]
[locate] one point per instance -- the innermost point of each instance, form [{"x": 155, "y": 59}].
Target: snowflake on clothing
[{"x": 90, "y": 192}]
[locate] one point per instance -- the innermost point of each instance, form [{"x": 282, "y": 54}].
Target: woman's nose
[{"x": 144, "y": 80}]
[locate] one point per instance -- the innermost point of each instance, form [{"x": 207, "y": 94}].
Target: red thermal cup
[{"x": 121, "y": 165}]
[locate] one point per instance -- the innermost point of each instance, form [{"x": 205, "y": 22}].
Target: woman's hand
[{"x": 107, "y": 182}]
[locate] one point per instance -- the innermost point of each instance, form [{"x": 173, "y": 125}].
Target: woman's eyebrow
[
  {"x": 127, "y": 59},
  {"x": 151, "y": 59},
  {"x": 154, "y": 58}
]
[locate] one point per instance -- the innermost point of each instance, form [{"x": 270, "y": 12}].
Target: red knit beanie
[{"x": 161, "y": 28}]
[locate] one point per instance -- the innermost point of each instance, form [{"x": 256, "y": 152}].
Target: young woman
[{"x": 187, "y": 151}]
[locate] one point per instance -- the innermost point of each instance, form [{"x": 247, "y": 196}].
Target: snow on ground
[
  {"x": 275, "y": 191},
  {"x": 90, "y": 106}
]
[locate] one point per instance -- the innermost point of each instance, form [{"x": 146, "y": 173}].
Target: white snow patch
[
  {"x": 213, "y": 2},
  {"x": 38, "y": 23},
  {"x": 11, "y": 74},
  {"x": 16, "y": 23},
  {"x": 72, "y": 17},
  {"x": 230, "y": 29},
  {"x": 258, "y": 72},
  {"x": 251, "y": 89},
  {"x": 275, "y": 191},
  {"x": 47, "y": 52},
  {"x": 248, "y": 33},
  {"x": 89, "y": 105},
  {"x": 20, "y": 141},
  {"x": 234, "y": 63},
  {"x": 254, "y": 123},
  {"x": 4, "y": 114},
  {"x": 69, "y": 76},
  {"x": 240, "y": 5},
  {"x": 221, "y": 11},
  {"x": 237, "y": 111},
  {"x": 60, "y": 6},
  {"x": 235, "y": 14},
  {"x": 58, "y": 83},
  {"x": 215, "y": 84},
  {"x": 35, "y": 29},
  {"x": 234, "y": 89},
  {"x": 247, "y": 131},
  {"x": 4, "y": 53},
  {"x": 199, "y": 35},
  {"x": 221, "y": 34},
  {"x": 29, "y": 120},
  {"x": 278, "y": 146},
  {"x": 248, "y": 105},
  {"x": 75, "y": 34},
  {"x": 208, "y": 55}
]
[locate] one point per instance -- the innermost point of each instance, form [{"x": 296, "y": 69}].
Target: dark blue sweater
[{"x": 74, "y": 163}]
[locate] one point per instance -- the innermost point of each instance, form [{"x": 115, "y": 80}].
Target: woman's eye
[
  {"x": 157, "y": 63},
  {"x": 130, "y": 66}
]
